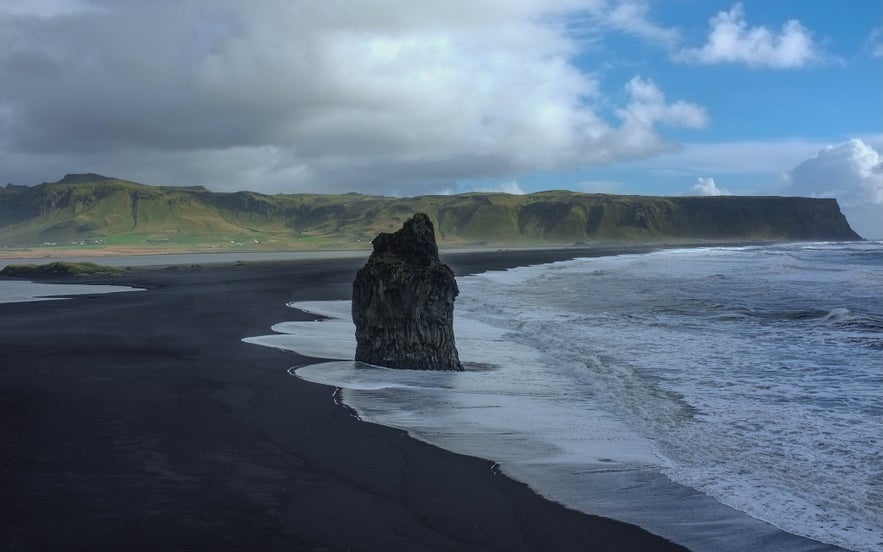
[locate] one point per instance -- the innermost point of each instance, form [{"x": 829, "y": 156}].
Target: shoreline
[
  {"x": 141, "y": 256},
  {"x": 176, "y": 437},
  {"x": 633, "y": 489}
]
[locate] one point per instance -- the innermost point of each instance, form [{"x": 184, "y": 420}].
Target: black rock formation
[{"x": 403, "y": 302}]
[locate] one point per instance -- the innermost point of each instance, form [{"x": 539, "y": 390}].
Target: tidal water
[
  {"x": 726, "y": 398},
  {"x": 18, "y": 291},
  {"x": 160, "y": 259}
]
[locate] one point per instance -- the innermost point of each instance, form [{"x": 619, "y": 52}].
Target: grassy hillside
[{"x": 95, "y": 211}]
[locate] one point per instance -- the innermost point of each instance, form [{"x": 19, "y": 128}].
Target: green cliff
[{"x": 99, "y": 211}]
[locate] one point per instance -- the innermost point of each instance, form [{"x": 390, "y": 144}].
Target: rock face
[{"x": 403, "y": 302}]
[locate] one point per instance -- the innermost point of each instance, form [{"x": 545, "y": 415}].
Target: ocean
[
  {"x": 18, "y": 291},
  {"x": 727, "y": 398}
]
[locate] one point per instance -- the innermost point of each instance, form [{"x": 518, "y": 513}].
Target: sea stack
[{"x": 403, "y": 302}]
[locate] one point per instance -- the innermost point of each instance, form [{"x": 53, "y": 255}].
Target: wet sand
[{"x": 141, "y": 421}]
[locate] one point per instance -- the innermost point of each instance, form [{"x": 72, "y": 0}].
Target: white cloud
[
  {"x": 873, "y": 140},
  {"x": 874, "y": 43},
  {"x": 749, "y": 167},
  {"x": 304, "y": 95},
  {"x": 510, "y": 187},
  {"x": 649, "y": 106},
  {"x": 732, "y": 40},
  {"x": 633, "y": 17},
  {"x": 637, "y": 137},
  {"x": 852, "y": 172},
  {"x": 707, "y": 187},
  {"x": 751, "y": 157}
]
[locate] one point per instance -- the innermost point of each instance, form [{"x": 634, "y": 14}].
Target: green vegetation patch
[
  {"x": 93, "y": 212},
  {"x": 60, "y": 268}
]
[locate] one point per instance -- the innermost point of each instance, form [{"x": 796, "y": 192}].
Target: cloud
[
  {"x": 510, "y": 187},
  {"x": 334, "y": 96},
  {"x": 649, "y": 106},
  {"x": 633, "y": 17},
  {"x": 742, "y": 158},
  {"x": 636, "y": 137},
  {"x": 874, "y": 43},
  {"x": 852, "y": 172},
  {"x": 707, "y": 187},
  {"x": 732, "y": 40},
  {"x": 43, "y": 8}
]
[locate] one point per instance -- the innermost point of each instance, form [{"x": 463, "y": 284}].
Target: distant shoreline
[{"x": 141, "y": 256}]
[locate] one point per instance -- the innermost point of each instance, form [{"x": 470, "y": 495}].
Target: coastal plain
[{"x": 142, "y": 421}]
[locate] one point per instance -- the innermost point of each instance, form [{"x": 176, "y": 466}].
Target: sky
[{"x": 402, "y": 98}]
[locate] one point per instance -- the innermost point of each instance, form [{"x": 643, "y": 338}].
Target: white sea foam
[{"x": 600, "y": 382}]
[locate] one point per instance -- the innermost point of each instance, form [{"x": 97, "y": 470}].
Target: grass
[{"x": 108, "y": 214}]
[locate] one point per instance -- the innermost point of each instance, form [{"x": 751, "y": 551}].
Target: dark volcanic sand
[{"x": 140, "y": 421}]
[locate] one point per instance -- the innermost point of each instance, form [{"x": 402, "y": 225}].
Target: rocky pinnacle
[{"x": 403, "y": 302}]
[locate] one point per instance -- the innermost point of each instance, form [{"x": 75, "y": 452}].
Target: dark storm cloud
[{"x": 287, "y": 96}]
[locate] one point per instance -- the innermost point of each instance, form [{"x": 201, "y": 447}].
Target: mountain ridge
[{"x": 110, "y": 211}]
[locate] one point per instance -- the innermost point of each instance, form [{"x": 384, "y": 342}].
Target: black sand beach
[{"x": 141, "y": 421}]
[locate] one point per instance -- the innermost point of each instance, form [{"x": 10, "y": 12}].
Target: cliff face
[
  {"x": 91, "y": 206},
  {"x": 403, "y": 302},
  {"x": 793, "y": 218},
  {"x": 590, "y": 217}
]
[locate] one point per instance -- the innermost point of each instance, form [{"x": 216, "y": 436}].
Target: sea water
[
  {"x": 19, "y": 291},
  {"x": 726, "y": 398}
]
